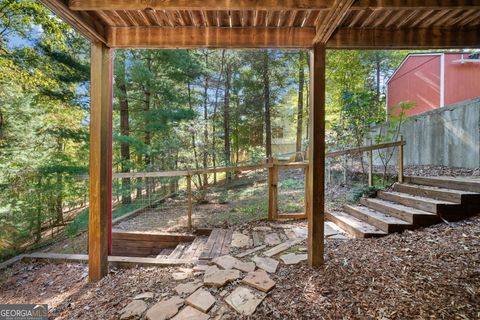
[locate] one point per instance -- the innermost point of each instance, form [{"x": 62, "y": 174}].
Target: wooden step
[
  {"x": 471, "y": 184},
  {"x": 218, "y": 244},
  {"x": 414, "y": 216},
  {"x": 354, "y": 226},
  {"x": 194, "y": 250},
  {"x": 178, "y": 251},
  {"x": 377, "y": 219},
  {"x": 422, "y": 203},
  {"x": 452, "y": 195}
]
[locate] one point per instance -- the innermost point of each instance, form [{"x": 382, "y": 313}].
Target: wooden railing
[{"x": 273, "y": 166}]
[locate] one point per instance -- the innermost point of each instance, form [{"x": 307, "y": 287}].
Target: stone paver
[
  {"x": 201, "y": 267},
  {"x": 282, "y": 247},
  {"x": 201, "y": 300},
  {"x": 219, "y": 278},
  {"x": 180, "y": 276},
  {"x": 225, "y": 262},
  {"x": 301, "y": 232},
  {"x": 189, "y": 313},
  {"x": 133, "y": 310},
  {"x": 245, "y": 300},
  {"x": 144, "y": 296},
  {"x": 164, "y": 309},
  {"x": 272, "y": 239},
  {"x": 268, "y": 264},
  {"x": 262, "y": 229},
  {"x": 240, "y": 240},
  {"x": 328, "y": 230},
  {"x": 229, "y": 262},
  {"x": 292, "y": 258},
  {"x": 245, "y": 266},
  {"x": 338, "y": 237},
  {"x": 250, "y": 251},
  {"x": 259, "y": 280},
  {"x": 188, "y": 288}
]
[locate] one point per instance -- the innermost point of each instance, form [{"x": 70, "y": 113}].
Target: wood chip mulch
[{"x": 433, "y": 273}]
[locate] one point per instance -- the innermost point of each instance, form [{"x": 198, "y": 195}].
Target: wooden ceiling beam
[
  {"x": 92, "y": 5},
  {"x": 209, "y": 37},
  {"x": 416, "y": 4},
  {"x": 404, "y": 39},
  {"x": 334, "y": 18},
  {"x": 80, "y": 21}
]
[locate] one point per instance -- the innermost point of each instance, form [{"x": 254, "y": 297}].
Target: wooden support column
[
  {"x": 316, "y": 183},
  {"x": 189, "y": 195},
  {"x": 400, "y": 161},
  {"x": 272, "y": 190},
  {"x": 370, "y": 168},
  {"x": 306, "y": 199},
  {"x": 100, "y": 210}
]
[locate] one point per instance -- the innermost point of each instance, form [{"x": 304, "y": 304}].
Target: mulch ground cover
[{"x": 431, "y": 273}]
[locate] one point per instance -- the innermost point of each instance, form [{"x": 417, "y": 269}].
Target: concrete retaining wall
[{"x": 448, "y": 136}]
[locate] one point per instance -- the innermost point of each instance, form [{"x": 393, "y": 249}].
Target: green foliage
[
  {"x": 292, "y": 184},
  {"x": 358, "y": 113},
  {"x": 361, "y": 190},
  {"x": 175, "y": 101}
]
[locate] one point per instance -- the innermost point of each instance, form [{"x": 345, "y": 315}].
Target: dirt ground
[
  {"x": 243, "y": 200},
  {"x": 433, "y": 273}
]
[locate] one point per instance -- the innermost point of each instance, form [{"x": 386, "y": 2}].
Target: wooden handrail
[
  {"x": 184, "y": 173},
  {"x": 365, "y": 149},
  {"x": 288, "y": 165}
]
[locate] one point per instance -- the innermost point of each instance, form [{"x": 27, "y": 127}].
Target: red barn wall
[
  {"x": 417, "y": 80},
  {"x": 462, "y": 81}
]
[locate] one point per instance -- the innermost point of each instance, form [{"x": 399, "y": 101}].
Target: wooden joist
[
  {"x": 208, "y": 5},
  {"x": 335, "y": 16},
  {"x": 91, "y": 5},
  {"x": 82, "y": 22},
  {"x": 416, "y": 4},
  {"x": 404, "y": 39},
  {"x": 211, "y": 37}
]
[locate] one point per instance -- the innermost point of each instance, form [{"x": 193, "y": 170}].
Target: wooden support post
[
  {"x": 316, "y": 185},
  {"x": 100, "y": 208},
  {"x": 189, "y": 194},
  {"x": 345, "y": 164},
  {"x": 400, "y": 161},
  {"x": 306, "y": 196},
  {"x": 370, "y": 168},
  {"x": 272, "y": 190}
]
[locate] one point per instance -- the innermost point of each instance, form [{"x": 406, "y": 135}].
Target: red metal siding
[
  {"x": 462, "y": 81},
  {"x": 417, "y": 80}
]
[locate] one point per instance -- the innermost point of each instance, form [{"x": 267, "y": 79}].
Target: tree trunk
[
  {"x": 301, "y": 80},
  {"x": 377, "y": 56},
  {"x": 124, "y": 126},
  {"x": 147, "y": 131},
  {"x": 194, "y": 143},
  {"x": 226, "y": 120},
  {"x": 38, "y": 218},
  {"x": 58, "y": 202},
  {"x": 214, "y": 118},
  {"x": 205, "y": 119},
  {"x": 266, "y": 99}
]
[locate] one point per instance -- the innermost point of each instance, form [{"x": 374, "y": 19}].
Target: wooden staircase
[{"x": 419, "y": 201}]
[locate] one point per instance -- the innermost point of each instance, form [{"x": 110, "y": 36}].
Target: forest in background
[{"x": 173, "y": 109}]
